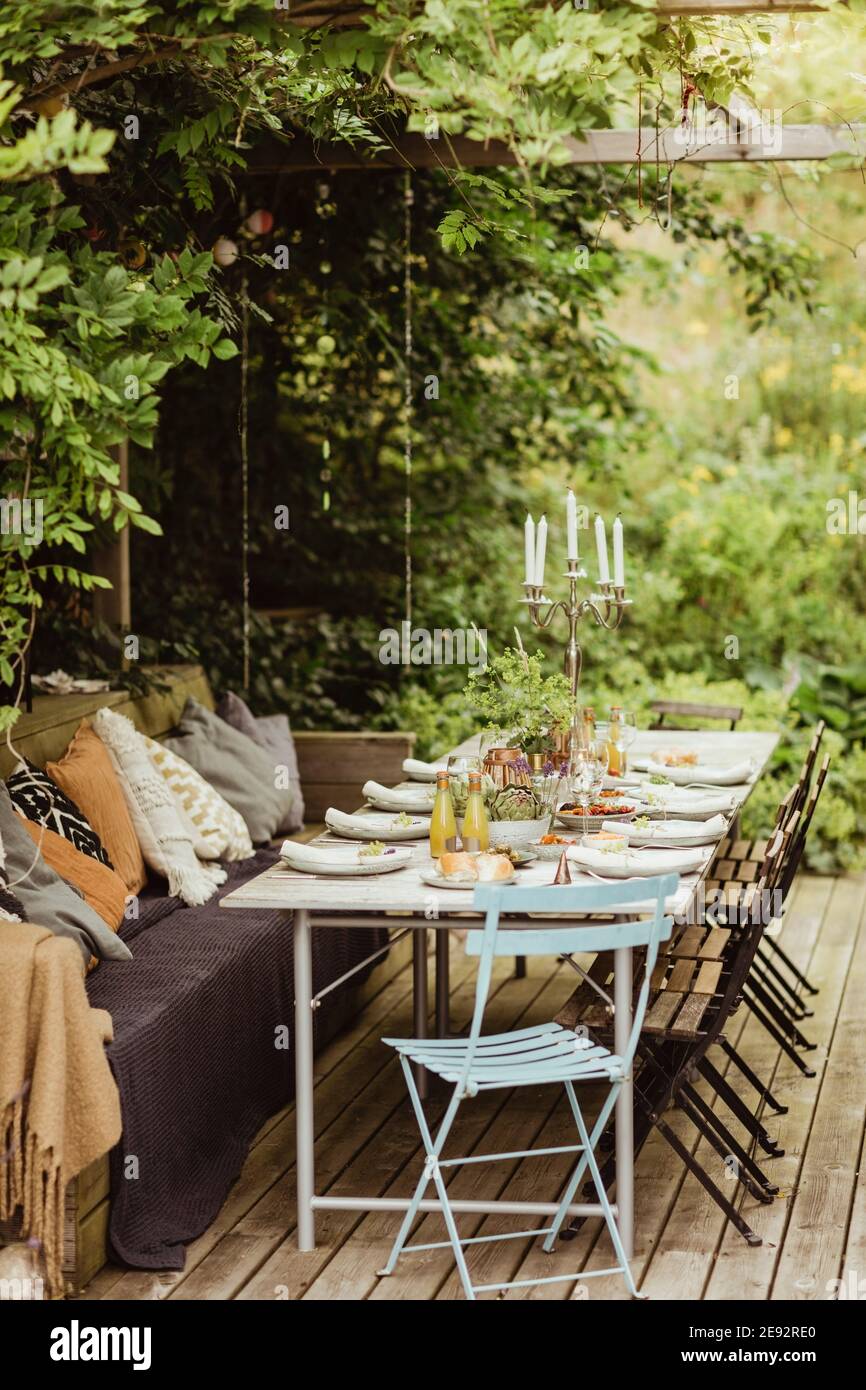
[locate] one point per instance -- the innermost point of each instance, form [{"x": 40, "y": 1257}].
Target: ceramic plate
[
  {"x": 382, "y": 826},
  {"x": 551, "y": 852},
  {"x": 413, "y": 806},
  {"x": 637, "y": 863},
  {"x": 337, "y": 863},
  {"x": 463, "y": 882},
  {"x": 419, "y": 772},
  {"x": 683, "y": 834},
  {"x": 576, "y": 821}
]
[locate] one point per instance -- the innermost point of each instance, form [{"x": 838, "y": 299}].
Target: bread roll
[
  {"x": 457, "y": 863},
  {"x": 491, "y": 867}
]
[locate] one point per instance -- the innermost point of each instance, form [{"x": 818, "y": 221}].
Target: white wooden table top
[{"x": 404, "y": 891}]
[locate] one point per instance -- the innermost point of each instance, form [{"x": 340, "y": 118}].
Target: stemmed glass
[
  {"x": 627, "y": 734},
  {"x": 587, "y": 768}
]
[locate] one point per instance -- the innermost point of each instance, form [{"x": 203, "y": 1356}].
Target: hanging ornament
[
  {"x": 260, "y": 222},
  {"x": 408, "y": 199},
  {"x": 49, "y": 106},
  {"x": 326, "y": 343},
  {"x": 132, "y": 252},
  {"x": 225, "y": 251}
]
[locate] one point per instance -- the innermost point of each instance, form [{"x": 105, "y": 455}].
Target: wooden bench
[
  {"x": 683, "y": 709},
  {"x": 333, "y": 767}
]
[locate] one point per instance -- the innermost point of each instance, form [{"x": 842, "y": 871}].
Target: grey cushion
[
  {"x": 239, "y": 770},
  {"x": 272, "y": 733},
  {"x": 47, "y": 899}
]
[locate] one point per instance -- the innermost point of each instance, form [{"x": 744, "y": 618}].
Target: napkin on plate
[
  {"x": 685, "y": 800},
  {"x": 705, "y": 772},
  {"x": 642, "y": 863},
  {"x": 369, "y": 827},
  {"x": 418, "y": 771},
  {"x": 316, "y": 858},
  {"x": 418, "y": 801},
  {"x": 669, "y": 830}
]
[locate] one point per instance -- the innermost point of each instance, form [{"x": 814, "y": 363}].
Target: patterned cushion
[
  {"x": 11, "y": 907},
  {"x": 221, "y": 831},
  {"x": 40, "y": 800},
  {"x": 164, "y": 832}
]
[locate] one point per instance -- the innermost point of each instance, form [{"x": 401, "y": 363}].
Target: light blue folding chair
[{"x": 533, "y": 1056}]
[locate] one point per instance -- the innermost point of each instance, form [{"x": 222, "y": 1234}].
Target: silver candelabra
[{"x": 606, "y": 606}]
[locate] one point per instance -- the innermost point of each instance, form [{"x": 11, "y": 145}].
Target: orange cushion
[
  {"x": 85, "y": 773},
  {"x": 103, "y": 889}
]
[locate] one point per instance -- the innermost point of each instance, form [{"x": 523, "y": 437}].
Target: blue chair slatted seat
[{"x": 544, "y": 1054}]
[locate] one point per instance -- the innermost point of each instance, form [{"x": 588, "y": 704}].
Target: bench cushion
[
  {"x": 86, "y": 775},
  {"x": 202, "y": 1056},
  {"x": 240, "y": 771}
]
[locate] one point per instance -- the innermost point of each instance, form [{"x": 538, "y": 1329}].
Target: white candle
[
  {"x": 571, "y": 524},
  {"x": 540, "y": 550},
  {"x": 601, "y": 547},
  {"x": 529, "y": 548},
  {"x": 618, "y": 559}
]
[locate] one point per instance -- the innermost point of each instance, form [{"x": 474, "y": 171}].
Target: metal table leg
[
  {"x": 625, "y": 1101},
  {"x": 443, "y": 983},
  {"x": 421, "y": 1003},
  {"x": 304, "y": 1117}
]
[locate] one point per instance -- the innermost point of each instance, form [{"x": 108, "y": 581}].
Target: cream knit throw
[
  {"x": 166, "y": 836},
  {"x": 59, "y": 1106}
]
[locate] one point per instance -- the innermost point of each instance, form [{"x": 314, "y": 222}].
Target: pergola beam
[
  {"x": 331, "y": 14},
  {"x": 767, "y": 143}
]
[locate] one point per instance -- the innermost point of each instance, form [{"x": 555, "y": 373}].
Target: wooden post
[{"x": 114, "y": 606}]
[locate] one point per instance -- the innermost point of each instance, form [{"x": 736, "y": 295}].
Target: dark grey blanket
[{"x": 196, "y": 1015}]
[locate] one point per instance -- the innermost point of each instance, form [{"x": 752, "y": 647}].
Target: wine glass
[
  {"x": 627, "y": 734},
  {"x": 586, "y": 772}
]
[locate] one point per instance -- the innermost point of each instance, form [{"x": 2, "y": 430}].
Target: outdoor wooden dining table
[{"x": 401, "y": 900}]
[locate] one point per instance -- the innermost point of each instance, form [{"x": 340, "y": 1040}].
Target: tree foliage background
[{"x": 543, "y": 308}]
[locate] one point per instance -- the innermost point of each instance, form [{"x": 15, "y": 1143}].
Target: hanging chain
[
  {"x": 243, "y": 430},
  {"x": 408, "y": 197}
]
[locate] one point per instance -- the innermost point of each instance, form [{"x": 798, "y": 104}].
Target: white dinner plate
[
  {"x": 638, "y": 863},
  {"x": 341, "y": 863},
  {"x": 381, "y": 826},
  {"x": 463, "y": 882},
  {"x": 414, "y": 802},
  {"x": 681, "y": 834}
]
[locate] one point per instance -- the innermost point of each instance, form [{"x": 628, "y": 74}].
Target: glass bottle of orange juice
[
  {"x": 443, "y": 823},
  {"x": 476, "y": 833},
  {"x": 615, "y": 766}
]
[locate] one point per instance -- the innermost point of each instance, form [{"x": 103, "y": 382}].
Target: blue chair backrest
[{"x": 560, "y": 938}]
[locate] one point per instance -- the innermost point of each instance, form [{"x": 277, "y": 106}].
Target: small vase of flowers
[{"x": 525, "y": 712}]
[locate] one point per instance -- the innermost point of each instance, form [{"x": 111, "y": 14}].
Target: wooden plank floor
[{"x": 813, "y": 1233}]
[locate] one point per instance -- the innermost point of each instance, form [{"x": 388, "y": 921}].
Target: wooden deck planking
[
  {"x": 814, "y": 1248},
  {"x": 367, "y": 1141},
  {"x": 731, "y": 1278},
  {"x": 685, "y": 1254}
]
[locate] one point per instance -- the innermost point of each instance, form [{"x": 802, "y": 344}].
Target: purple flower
[
  {"x": 548, "y": 768},
  {"x": 563, "y": 769},
  {"x": 521, "y": 764}
]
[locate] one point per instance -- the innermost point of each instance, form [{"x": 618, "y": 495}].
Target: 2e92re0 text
[{"x": 720, "y": 1333}]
